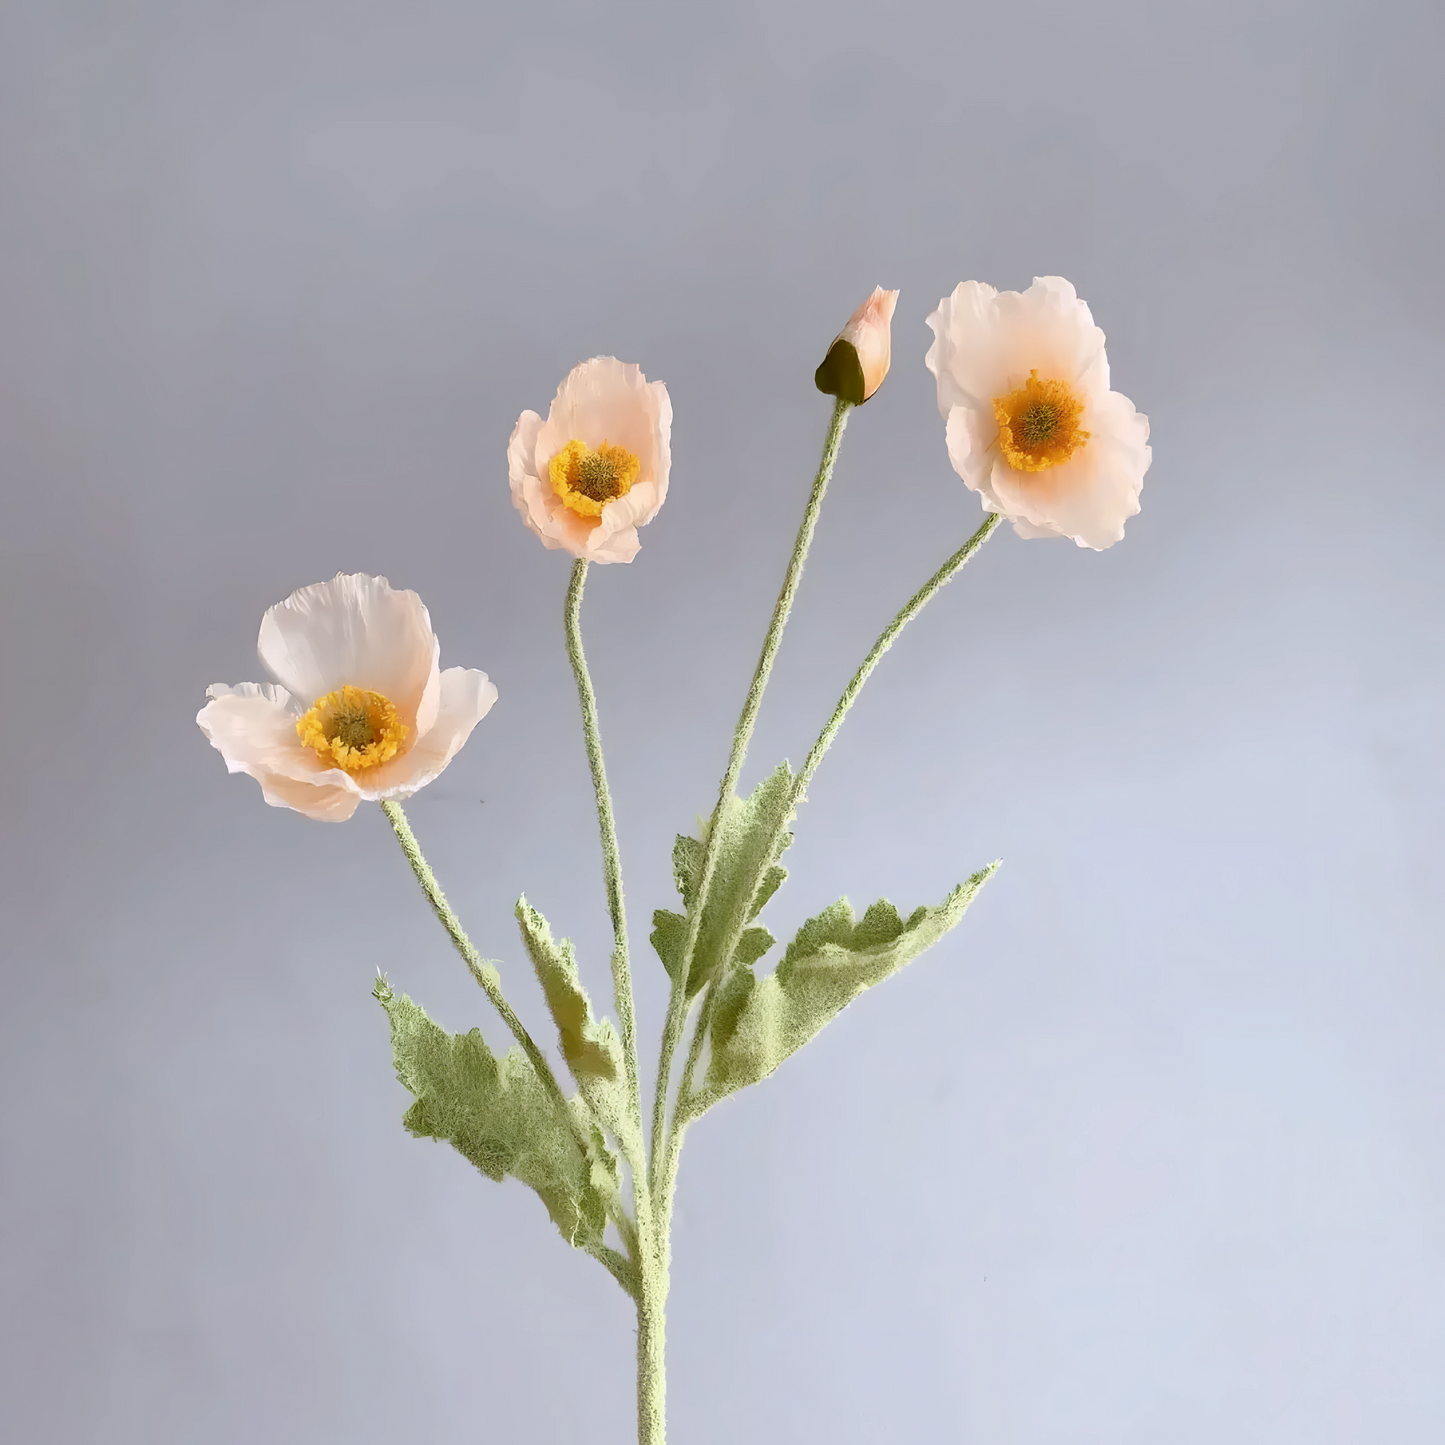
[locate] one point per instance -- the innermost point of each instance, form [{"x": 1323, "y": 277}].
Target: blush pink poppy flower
[
  {"x": 359, "y": 709},
  {"x": 596, "y": 470},
  {"x": 1023, "y": 385}
]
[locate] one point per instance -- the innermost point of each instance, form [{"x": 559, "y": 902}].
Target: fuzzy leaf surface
[
  {"x": 746, "y": 875},
  {"x": 759, "y": 1022},
  {"x": 591, "y": 1046},
  {"x": 496, "y": 1113},
  {"x": 668, "y": 937}
]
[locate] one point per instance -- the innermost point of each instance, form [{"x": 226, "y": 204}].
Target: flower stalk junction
[{"x": 643, "y": 1270}]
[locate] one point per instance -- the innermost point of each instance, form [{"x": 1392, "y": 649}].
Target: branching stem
[
  {"x": 662, "y": 1147},
  {"x": 910, "y": 609},
  {"x": 485, "y": 973}
]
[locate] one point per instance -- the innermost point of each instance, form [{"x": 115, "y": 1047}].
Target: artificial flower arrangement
[{"x": 359, "y": 710}]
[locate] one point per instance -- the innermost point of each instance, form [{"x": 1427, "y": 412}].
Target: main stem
[
  {"x": 667, "y": 1141},
  {"x": 649, "y": 1254}
]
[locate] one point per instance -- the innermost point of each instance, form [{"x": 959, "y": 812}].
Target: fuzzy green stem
[
  {"x": 485, "y": 973},
  {"x": 686, "y": 1100},
  {"x": 886, "y": 639},
  {"x": 619, "y": 1266},
  {"x": 649, "y": 1262},
  {"x": 743, "y": 733},
  {"x": 654, "y": 1262},
  {"x": 663, "y": 1147},
  {"x": 685, "y": 1096},
  {"x": 481, "y": 969},
  {"x": 651, "y": 1370},
  {"x": 666, "y": 1181},
  {"x": 611, "y": 859}
]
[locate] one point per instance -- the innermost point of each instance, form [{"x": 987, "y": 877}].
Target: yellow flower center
[
  {"x": 353, "y": 729},
  {"x": 587, "y": 480},
  {"x": 1038, "y": 425}
]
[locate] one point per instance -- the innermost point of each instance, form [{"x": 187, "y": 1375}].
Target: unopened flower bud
[{"x": 857, "y": 361}]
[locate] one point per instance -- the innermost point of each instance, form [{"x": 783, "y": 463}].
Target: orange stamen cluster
[
  {"x": 1038, "y": 424},
  {"x": 587, "y": 480},
  {"x": 353, "y": 729}
]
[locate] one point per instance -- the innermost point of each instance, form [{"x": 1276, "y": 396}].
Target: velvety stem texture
[
  {"x": 667, "y": 1141},
  {"x": 886, "y": 639},
  {"x": 607, "y": 826},
  {"x": 664, "y": 1149},
  {"x": 649, "y": 1254},
  {"x": 480, "y": 968},
  {"x": 485, "y": 973}
]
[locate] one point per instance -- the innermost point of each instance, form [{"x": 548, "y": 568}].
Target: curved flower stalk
[
  {"x": 1023, "y": 385},
  {"x": 359, "y": 708},
  {"x": 386, "y": 721}
]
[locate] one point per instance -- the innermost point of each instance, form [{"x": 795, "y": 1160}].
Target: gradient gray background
[{"x": 1151, "y": 1149}]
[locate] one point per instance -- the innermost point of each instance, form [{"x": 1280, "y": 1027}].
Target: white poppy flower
[
  {"x": 1023, "y": 385},
  {"x": 359, "y": 708},
  {"x": 596, "y": 470}
]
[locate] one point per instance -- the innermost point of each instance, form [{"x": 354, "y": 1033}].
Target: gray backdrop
[{"x": 1153, "y": 1148}]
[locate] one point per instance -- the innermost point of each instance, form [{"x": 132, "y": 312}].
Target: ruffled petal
[
  {"x": 609, "y": 400},
  {"x": 959, "y": 317},
  {"x": 1090, "y": 496},
  {"x": 986, "y": 342},
  {"x": 520, "y": 449},
  {"x": 466, "y": 697},
  {"x": 359, "y": 630},
  {"x": 558, "y": 525},
  {"x": 985, "y": 345},
  {"x": 325, "y": 805},
  {"x": 972, "y": 445},
  {"x": 254, "y": 728},
  {"x": 601, "y": 400},
  {"x": 1031, "y": 533}
]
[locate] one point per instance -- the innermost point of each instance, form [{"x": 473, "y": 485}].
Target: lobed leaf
[
  {"x": 591, "y": 1047},
  {"x": 759, "y": 1022},
  {"x": 668, "y": 938},
  {"x": 497, "y": 1113},
  {"x": 746, "y": 875}
]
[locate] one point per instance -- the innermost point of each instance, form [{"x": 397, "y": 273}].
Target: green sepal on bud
[
  {"x": 841, "y": 373},
  {"x": 859, "y": 357}
]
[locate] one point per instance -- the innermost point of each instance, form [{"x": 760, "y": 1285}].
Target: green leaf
[
  {"x": 591, "y": 1047},
  {"x": 668, "y": 936},
  {"x": 497, "y": 1113},
  {"x": 746, "y": 875},
  {"x": 687, "y": 865},
  {"x": 758, "y": 1022}
]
